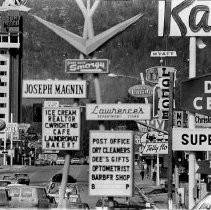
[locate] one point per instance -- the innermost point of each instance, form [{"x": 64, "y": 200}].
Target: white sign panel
[
  {"x": 187, "y": 18},
  {"x": 155, "y": 148},
  {"x": 61, "y": 128},
  {"x": 185, "y": 139},
  {"x": 118, "y": 111},
  {"x": 54, "y": 89},
  {"x": 163, "y": 54},
  {"x": 111, "y": 163},
  {"x": 51, "y": 103}
]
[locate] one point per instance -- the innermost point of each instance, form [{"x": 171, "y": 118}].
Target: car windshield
[
  {"x": 54, "y": 188},
  {"x": 4, "y": 183},
  {"x": 21, "y": 175},
  {"x": 9, "y": 178}
]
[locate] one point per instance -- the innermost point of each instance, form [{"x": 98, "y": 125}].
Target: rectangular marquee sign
[
  {"x": 54, "y": 89},
  {"x": 163, "y": 54},
  {"x": 86, "y": 66},
  {"x": 184, "y": 18},
  {"x": 118, "y": 111},
  {"x": 61, "y": 128},
  {"x": 185, "y": 139},
  {"x": 111, "y": 163}
]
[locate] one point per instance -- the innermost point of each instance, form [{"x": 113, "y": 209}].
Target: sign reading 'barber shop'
[{"x": 184, "y": 18}]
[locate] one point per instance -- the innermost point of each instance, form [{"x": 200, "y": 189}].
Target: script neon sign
[{"x": 184, "y": 18}]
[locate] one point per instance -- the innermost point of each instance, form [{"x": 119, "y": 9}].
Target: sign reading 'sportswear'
[
  {"x": 184, "y": 18},
  {"x": 61, "y": 128},
  {"x": 197, "y": 139},
  {"x": 111, "y": 163},
  {"x": 54, "y": 89},
  {"x": 118, "y": 111}
]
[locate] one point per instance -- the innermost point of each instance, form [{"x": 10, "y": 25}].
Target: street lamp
[{"x": 121, "y": 75}]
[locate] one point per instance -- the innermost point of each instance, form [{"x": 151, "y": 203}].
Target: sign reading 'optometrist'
[
  {"x": 118, "y": 111},
  {"x": 184, "y": 18}
]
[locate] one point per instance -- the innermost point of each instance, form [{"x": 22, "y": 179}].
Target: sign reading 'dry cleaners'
[
  {"x": 86, "y": 65},
  {"x": 184, "y": 139},
  {"x": 118, "y": 111},
  {"x": 184, "y": 18},
  {"x": 198, "y": 100},
  {"x": 54, "y": 89},
  {"x": 111, "y": 163},
  {"x": 61, "y": 128}
]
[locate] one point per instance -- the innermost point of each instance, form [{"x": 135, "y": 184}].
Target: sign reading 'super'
[
  {"x": 198, "y": 100},
  {"x": 61, "y": 128},
  {"x": 111, "y": 163},
  {"x": 184, "y": 18},
  {"x": 197, "y": 139}
]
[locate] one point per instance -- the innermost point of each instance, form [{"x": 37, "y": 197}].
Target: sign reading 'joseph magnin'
[
  {"x": 54, "y": 89},
  {"x": 111, "y": 163},
  {"x": 184, "y": 18},
  {"x": 61, "y": 128},
  {"x": 118, "y": 111}
]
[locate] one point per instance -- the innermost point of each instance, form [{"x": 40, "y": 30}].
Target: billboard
[
  {"x": 118, "y": 111},
  {"x": 184, "y": 18},
  {"x": 86, "y": 66},
  {"x": 111, "y": 163},
  {"x": 185, "y": 139},
  {"x": 54, "y": 89},
  {"x": 61, "y": 128}
]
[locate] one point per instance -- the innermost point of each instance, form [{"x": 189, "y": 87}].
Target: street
[{"x": 41, "y": 176}]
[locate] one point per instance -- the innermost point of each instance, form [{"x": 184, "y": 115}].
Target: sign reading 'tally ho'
[
  {"x": 118, "y": 111},
  {"x": 184, "y": 18}
]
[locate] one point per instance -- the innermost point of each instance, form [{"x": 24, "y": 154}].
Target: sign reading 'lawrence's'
[
  {"x": 61, "y": 128},
  {"x": 118, "y": 111},
  {"x": 111, "y": 163},
  {"x": 198, "y": 100},
  {"x": 186, "y": 18},
  {"x": 54, "y": 89}
]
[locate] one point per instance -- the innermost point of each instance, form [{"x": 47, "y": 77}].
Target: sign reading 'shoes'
[
  {"x": 111, "y": 163},
  {"x": 184, "y": 18},
  {"x": 54, "y": 89},
  {"x": 61, "y": 128},
  {"x": 118, "y": 111}
]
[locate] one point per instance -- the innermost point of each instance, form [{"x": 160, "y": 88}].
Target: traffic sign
[{"x": 198, "y": 100}]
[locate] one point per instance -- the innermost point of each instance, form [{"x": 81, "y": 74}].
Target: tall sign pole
[{"x": 191, "y": 122}]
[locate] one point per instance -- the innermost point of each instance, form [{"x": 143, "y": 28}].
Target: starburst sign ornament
[{"x": 14, "y": 5}]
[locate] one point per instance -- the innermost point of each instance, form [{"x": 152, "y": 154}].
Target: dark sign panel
[
  {"x": 9, "y": 22},
  {"x": 196, "y": 95},
  {"x": 86, "y": 65},
  {"x": 204, "y": 167}
]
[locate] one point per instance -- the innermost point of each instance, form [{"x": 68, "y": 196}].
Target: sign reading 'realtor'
[{"x": 61, "y": 128}]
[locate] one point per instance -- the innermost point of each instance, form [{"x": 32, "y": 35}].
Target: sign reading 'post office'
[
  {"x": 184, "y": 139},
  {"x": 54, "y": 89},
  {"x": 111, "y": 163},
  {"x": 118, "y": 111},
  {"x": 61, "y": 128},
  {"x": 198, "y": 100},
  {"x": 86, "y": 65},
  {"x": 184, "y": 18}
]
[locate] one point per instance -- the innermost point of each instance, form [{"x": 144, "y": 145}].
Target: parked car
[
  {"x": 77, "y": 205},
  {"x": 204, "y": 203},
  {"x": 72, "y": 191},
  {"x": 4, "y": 183},
  {"x": 60, "y": 161},
  {"x": 22, "y": 178},
  {"x": 5, "y": 199},
  {"x": 10, "y": 178},
  {"x": 39, "y": 162},
  {"x": 75, "y": 161},
  {"x": 23, "y": 196},
  {"x": 58, "y": 178}
]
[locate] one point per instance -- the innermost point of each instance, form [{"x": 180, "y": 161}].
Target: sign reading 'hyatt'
[
  {"x": 184, "y": 18},
  {"x": 196, "y": 95}
]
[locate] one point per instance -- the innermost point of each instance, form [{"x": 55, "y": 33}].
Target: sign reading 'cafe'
[{"x": 184, "y": 18}]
